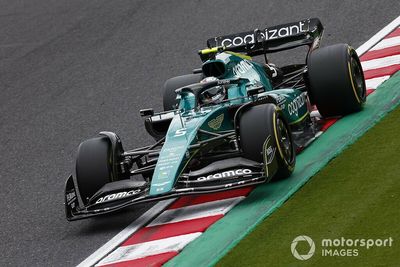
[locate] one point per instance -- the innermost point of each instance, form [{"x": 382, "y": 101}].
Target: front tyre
[
  {"x": 265, "y": 132},
  {"x": 336, "y": 80},
  {"x": 93, "y": 166}
]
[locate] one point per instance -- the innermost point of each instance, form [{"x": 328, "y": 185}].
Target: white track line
[
  {"x": 379, "y": 36},
  {"x": 375, "y": 82},
  {"x": 385, "y": 43},
  {"x": 196, "y": 211},
  {"x": 137, "y": 251},
  {"x": 380, "y": 62},
  {"x": 126, "y": 233}
]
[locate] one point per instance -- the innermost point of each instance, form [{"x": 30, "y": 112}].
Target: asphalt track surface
[{"x": 69, "y": 69}]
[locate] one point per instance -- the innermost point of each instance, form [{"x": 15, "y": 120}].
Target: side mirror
[{"x": 146, "y": 112}]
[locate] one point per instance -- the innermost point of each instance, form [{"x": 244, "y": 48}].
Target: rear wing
[{"x": 272, "y": 39}]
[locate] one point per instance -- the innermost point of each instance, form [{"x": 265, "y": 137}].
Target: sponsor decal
[
  {"x": 242, "y": 67},
  {"x": 166, "y": 167},
  {"x": 280, "y": 100},
  {"x": 180, "y": 132},
  {"x": 70, "y": 197},
  {"x": 294, "y": 106},
  {"x": 117, "y": 196},
  {"x": 162, "y": 184},
  {"x": 223, "y": 82},
  {"x": 267, "y": 34},
  {"x": 216, "y": 123},
  {"x": 225, "y": 174},
  {"x": 269, "y": 154}
]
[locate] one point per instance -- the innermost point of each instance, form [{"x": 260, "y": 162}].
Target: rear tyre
[
  {"x": 169, "y": 96},
  {"x": 336, "y": 80},
  {"x": 259, "y": 123},
  {"x": 93, "y": 166}
]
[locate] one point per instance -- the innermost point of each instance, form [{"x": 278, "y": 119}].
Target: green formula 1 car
[{"x": 232, "y": 123}]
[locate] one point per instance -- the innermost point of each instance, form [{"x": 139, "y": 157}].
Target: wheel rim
[
  {"x": 285, "y": 141},
  {"x": 358, "y": 78}
]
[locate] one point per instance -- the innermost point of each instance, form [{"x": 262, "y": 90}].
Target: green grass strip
[
  {"x": 222, "y": 236},
  {"x": 356, "y": 196}
]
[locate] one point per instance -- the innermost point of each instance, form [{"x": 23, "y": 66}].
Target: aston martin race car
[{"x": 234, "y": 122}]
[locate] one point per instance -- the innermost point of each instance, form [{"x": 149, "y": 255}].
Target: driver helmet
[{"x": 213, "y": 95}]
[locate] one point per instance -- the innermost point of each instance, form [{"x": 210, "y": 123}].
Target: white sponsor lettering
[
  {"x": 270, "y": 150},
  {"x": 180, "y": 132},
  {"x": 71, "y": 196},
  {"x": 267, "y": 35},
  {"x": 242, "y": 67},
  {"x": 162, "y": 184},
  {"x": 271, "y": 34},
  {"x": 223, "y": 82},
  {"x": 296, "y": 104},
  {"x": 225, "y": 174},
  {"x": 117, "y": 196},
  {"x": 269, "y": 155},
  {"x": 248, "y": 39}
]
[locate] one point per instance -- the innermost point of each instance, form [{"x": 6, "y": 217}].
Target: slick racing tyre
[
  {"x": 336, "y": 80},
  {"x": 93, "y": 166},
  {"x": 262, "y": 122},
  {"x": 169, "y": 96}
]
